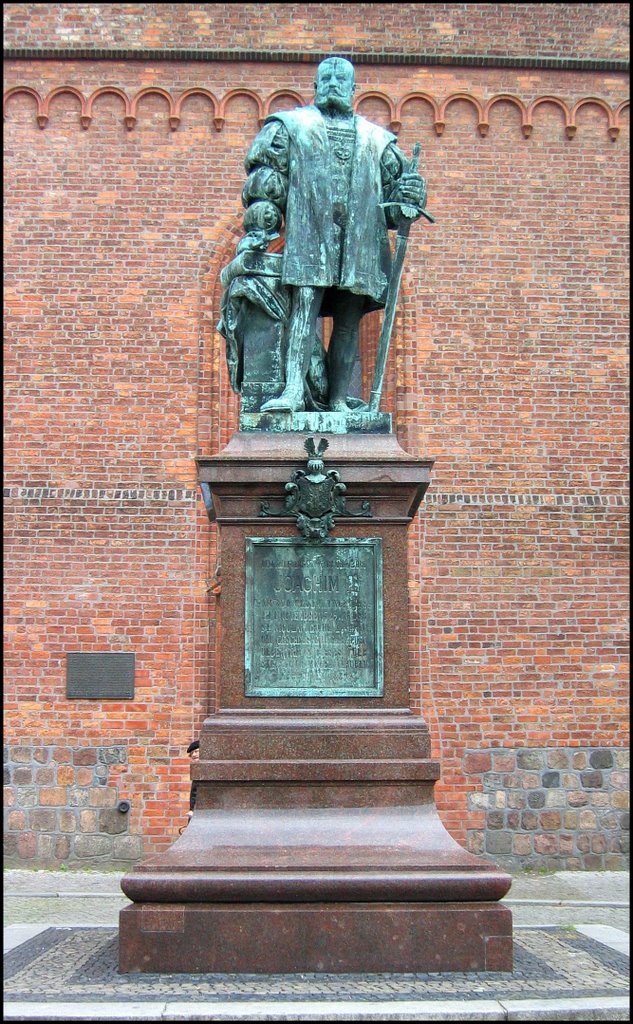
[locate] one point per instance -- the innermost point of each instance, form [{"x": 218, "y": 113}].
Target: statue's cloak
[{"x": 311, "y": 252}]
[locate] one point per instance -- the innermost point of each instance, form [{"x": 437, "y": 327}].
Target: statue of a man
[{"x": 328, "y": 172}]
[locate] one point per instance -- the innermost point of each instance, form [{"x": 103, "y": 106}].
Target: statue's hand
[
  {"x": 410, "y": 191},
  {"x": 257, "y": 241}
]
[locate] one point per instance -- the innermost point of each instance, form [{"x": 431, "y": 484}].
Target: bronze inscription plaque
[
  {"x": 100, "y": 676},
  {"x": 314, "y": 618}
]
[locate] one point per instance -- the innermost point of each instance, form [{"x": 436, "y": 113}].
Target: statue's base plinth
[
  {"x": 341, "y": 938},
  {"x": 352, "y": 422}
]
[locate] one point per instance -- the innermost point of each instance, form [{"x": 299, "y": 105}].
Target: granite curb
[{"x": 557, "y": 1009}]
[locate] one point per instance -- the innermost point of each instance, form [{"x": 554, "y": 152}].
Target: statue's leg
[
  {"x": 343, "y": 349},
  {"x": 306, "y": 303}
]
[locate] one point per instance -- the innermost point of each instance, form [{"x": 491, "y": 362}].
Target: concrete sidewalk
[{"x": 571, "y": 962}]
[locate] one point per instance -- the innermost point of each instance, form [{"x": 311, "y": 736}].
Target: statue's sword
[{"x": 407, "y": 213}]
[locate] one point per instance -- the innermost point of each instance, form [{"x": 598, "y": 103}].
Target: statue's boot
[
  {"x": 339, "y": 405},
  {"x": 290, "y": 400}
]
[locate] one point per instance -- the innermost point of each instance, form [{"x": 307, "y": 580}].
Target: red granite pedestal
[{"x": 315, "y": 844}]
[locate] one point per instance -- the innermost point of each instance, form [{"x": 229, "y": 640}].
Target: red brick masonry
[{"x": 508, "y": 367}]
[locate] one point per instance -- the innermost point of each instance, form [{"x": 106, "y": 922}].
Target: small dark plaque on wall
[{"x": 100, "y": 676}]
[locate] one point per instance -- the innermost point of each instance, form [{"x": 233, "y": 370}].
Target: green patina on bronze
[
  {"x": 360, "y": 421},
  {"x": 314, "y": 618},
  {"x": 335, "y": 184},
  {"x": 316, "y": 497}
]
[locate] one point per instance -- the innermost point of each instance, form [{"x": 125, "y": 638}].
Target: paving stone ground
[{"x": 63, "y": 929}]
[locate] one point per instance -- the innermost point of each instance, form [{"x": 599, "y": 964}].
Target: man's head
[
  {"x": 334, "y": 86},
  {"x": 194, "y": 750}
]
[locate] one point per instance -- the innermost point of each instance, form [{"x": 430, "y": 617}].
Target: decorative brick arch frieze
[
  {"x": 396, "y": 124},
  {"x": 484, "y": 123},
  {"x": 440, "y": 124},
  {"x": 197, "y": 90},
  {"x": 220, "y": 120},
  {"x": 296, "y": 97},
  {"x": 24, "y": 90},
  {"x": 556, "y": 101},
  {"x": 613, "y": 127},
  {"x": 87, "y": 115},
  {"x": 150, "y": 90},
  {"x": 383, "y": 98},
  {"x": 264, "y": 105},
  {"x": 59, "y": 91},
  {"x": 617, "y": 117}
]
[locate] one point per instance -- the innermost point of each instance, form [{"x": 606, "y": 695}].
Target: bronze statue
[{"x": 339, "y": 182}]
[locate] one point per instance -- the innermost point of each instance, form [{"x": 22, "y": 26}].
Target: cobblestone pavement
[
  {"x": 65, "y": 949},
  {"x": 82, "y": 963}
]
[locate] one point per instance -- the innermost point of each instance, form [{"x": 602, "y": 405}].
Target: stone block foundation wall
[
  {"x": 563, "y": 809},
  {"x": 61, "y": 808}
]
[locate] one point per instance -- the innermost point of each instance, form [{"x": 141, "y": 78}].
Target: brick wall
[
  {"x": 552, "y": 30},
  {"x": 508, "y": 368}
]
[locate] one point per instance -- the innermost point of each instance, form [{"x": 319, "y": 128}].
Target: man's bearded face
[{"x": 334, "y": 86}]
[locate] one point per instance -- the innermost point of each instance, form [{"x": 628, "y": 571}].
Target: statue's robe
[{"x": 311, "y": 250}]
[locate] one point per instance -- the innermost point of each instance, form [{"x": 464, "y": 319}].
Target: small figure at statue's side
[{"x": 339, "y": 183}]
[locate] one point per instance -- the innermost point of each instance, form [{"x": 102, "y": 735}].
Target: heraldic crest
[{"x": 315, "y": 497}]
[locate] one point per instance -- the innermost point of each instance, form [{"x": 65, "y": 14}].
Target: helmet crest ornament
[{"x": 316, "y": 497}]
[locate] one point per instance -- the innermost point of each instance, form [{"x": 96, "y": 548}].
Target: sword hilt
[
  {"x": 411, "y": 211},
  {"x": 413, "y": 166}
]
